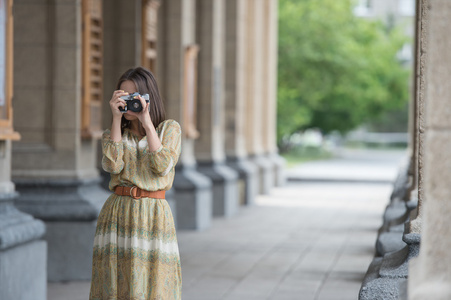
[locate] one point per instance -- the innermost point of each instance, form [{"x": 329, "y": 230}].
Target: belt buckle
[{"x": 131, "y": 193}]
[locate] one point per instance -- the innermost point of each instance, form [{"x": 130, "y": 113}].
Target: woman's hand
[
  {"x": 144, "y": 115},
  {"x": 117, "y": 102}
]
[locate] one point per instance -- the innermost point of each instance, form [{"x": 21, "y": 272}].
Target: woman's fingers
[
  {"x": 121, "y": 101},
  {"x": 120, "y": 104},
  {"x": 117, "y": 94},
  {"x": 116, "y": 103},
  {"x": 143, "y": 102},
  {"x": 120, "y": 92}
]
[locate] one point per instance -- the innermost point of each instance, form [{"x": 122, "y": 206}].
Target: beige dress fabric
[{"x": 136, "y": 253}]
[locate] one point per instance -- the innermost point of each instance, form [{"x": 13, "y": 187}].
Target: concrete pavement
[
  {"x": 352, "y": 165},
  {"x": 307, "y": 240}
]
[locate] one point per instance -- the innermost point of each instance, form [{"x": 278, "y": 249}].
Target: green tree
[{"x": 336, "y": 71}]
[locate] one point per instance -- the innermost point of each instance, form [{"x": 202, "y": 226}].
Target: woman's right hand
[{"x": 117, "y": 102}]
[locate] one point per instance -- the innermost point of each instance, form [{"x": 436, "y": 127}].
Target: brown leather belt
[{"x": 138, "y": 193}]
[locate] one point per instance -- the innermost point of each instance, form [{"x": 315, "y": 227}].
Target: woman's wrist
[
  {"x": 117, "y": 118},
  {"x": 116, "y": 135},
  {"x": 153, "y": 141},
  {"x": 148, "y": 127}
]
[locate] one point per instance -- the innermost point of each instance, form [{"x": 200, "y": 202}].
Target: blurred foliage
[
  {"x": 391, "y": 121},
  {"x": 336, "y": 71}
]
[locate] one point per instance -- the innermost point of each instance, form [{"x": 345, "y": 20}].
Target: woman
[{"x": 135, "y": 247}]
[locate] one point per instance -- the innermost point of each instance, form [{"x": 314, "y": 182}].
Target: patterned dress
[{"x": 136, "y": 254}]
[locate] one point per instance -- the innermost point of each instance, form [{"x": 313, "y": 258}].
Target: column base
[
  {"x": 225, "y": 188},
  {"x": 386, "y": 274},
  {"x": 70, "y": 250},
  {"x": 395, "y": 264},
  {"x": 279, "y": 169},
  {"x": 61, "y": 200},
  {"x": 390, "y": 235},
  {"x": 193, "y": 198},
  {"x": 248, "y": 179},
  {"x": 390, "y": 240},
  {"x": 23, "y": 256},
  {"x": 70, "y": 210},
  {"x": 23, "y": 271},
  {"x": 265, "y": 174}
]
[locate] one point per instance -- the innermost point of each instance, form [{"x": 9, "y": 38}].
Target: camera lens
[{"x": 135, "y": 105}]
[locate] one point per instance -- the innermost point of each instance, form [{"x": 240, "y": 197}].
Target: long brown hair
[{"x": 146, "y": 83}]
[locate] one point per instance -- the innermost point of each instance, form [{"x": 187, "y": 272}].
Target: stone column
[
  {"x": 419, "y": 108},
  {"x": 23, "y": 255},
  {"x": 122, "y": 45},
  {"x": 121, "y": 34},
  {"x": 430, "y": 273},
  {"x": 256, "y": 103},
  {"x": 209, "y": 148},
  {"x": 269, "y": 86},
  {"x": 418, "y": 98},
  {"x": 53, "y": 167},
  {"x": 399, "y": 237},
  {"x": 193, "y": 194},
  {"x": 236, "y": 109},
  {"x": 23, "y": 271}
]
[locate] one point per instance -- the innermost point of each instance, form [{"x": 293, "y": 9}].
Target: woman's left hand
[{"x": 144, "y": 115}]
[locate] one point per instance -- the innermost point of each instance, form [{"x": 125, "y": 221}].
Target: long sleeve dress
[{"x": 136, "y": 253}]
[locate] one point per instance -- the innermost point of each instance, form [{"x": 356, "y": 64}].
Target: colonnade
[
  {"x": 412, "y": 260},
  {"x": 215, "y": 62}
]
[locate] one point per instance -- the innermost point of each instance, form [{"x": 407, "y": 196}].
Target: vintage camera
[{"x": 133, "y": 104}]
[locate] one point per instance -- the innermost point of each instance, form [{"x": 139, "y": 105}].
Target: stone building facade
[
  {"x": 413, "y": 260},
  {"x": 216, "y": 63}
]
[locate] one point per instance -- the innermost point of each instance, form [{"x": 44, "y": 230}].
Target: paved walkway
[
  {"x": 307, "y": 240},
  {"x": 352, "y": 165}
]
